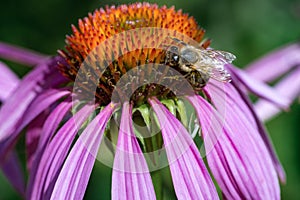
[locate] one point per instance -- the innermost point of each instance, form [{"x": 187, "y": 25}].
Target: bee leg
[
  {"x": 172, "y": 78},
  {"x": 197, "y": 79}
]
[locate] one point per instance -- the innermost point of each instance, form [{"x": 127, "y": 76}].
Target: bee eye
[
  {"x": 174, "y": 49},
  {"x": 175, "y": 58}
]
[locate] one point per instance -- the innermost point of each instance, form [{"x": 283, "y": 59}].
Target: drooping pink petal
[
  {"x": 275, "y": 64},
  {"x": 259, "y": 88},
  {"x": 131, "y": 178},
  {"x": 12, "y": 170},
  {"x": 42, "y": 102},
  {"x": 74, "y": 175},
  {"x": 260, "y": 127},
  {"x": 54, "y": 155},
  {"x": 8, "y": 81},
  {"x": 29, "y": 88},
  {"x": 224, "y": 95},
  {"x": 33, "y": 134},
  {"x": 289, "y": 86},
  {"x": 48, "y": 129},
  {"x": 12, "y": 127},
  {"x": 52, "y": 122},
  {"x": 21, "y": 55},
  {"x": 190, "y": 177},
  {"x": 239, "y": 160}
]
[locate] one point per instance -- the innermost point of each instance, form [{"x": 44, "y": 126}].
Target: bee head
[{"x": 172, "y": 57}]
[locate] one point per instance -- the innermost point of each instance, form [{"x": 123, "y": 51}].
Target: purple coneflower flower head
[{"x": 141, "y": 78}]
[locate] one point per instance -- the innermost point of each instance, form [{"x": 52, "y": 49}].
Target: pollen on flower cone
[{"x": 113, "y": 40}]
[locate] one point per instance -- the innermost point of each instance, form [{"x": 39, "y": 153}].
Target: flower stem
[{"x": 158, "y": 183}]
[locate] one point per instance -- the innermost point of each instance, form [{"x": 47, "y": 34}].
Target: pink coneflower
[{"x": 123, "y": 78}]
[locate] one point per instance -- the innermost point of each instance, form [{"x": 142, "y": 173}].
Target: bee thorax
[{"x": 189, "y": 56}]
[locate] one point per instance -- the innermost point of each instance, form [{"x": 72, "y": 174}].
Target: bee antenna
[{"x": 178, "y": 41}]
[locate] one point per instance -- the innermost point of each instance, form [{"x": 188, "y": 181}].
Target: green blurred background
[{"x": 249, "y": 29}]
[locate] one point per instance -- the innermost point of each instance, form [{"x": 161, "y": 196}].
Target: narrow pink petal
[
  {"x": 190, "y": 177},
  {"x": 288, "y": 86},
  {"x": 33, "y": 134},
  {"x": 131, "y": 178},
  {"x": 54, "y": 155},
  {"x": 224, "y": 95},
  {"x": 260, "y": 127},
  {"x": 49, "y": 127},
  {"x": 21, "y": 55},
  {"x": 30, "y": 87},
  {"x": 53, "y": 121},
  {"x": 74, "y": 176},
  {"x": 40, "y": 103},
  {"x": 275, "y": 64},
  {"x": 8, "y": 81},
  {"x": 239, "y": 160},
  {"x": 12, "y": 169},
  {"x": 259, "y": 88},
  {"x": 11, "y": 132}
]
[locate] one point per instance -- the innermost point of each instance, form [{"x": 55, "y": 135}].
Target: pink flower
[{"x": 65, "y": 119}]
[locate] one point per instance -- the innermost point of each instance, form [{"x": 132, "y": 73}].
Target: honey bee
[{"x": 199, "y": 64}]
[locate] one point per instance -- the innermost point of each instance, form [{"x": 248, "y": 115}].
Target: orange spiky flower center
[{"x": 91, "y": 48}]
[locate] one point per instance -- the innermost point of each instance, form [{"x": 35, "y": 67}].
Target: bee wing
[
  {"x": 225, "y": 56},
  {"x": 217, "y": 72},
  {"x": 212, "y": 62},
  {"x": 220, "y": 75},
  {"x": 210, "y": 56}
]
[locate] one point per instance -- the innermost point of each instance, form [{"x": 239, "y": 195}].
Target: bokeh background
[{"x": 249, "y": 29}]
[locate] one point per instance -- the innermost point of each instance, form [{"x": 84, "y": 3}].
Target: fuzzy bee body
[{"x": 199, "y": 64}]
